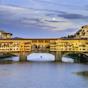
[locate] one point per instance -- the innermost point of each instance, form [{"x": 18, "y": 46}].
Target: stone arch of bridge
[
  {"x": 58, "y": 54},
  {"x": 79, "y": 55},
  {"x": 72, "y": 52}
]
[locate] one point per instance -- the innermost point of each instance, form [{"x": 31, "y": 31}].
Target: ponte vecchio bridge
[{"x": 58, "y": 47}]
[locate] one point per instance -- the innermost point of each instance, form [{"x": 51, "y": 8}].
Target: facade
[
  {"x": 5, "y": 35},
  {"x": 72, "y": 45},
  {"x": 29, "y": 45}
]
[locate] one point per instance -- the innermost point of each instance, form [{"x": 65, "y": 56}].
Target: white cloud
[{"x": 57, "y": 23}]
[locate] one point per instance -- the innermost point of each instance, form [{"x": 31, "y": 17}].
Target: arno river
[{"x": 41, "y": 74}]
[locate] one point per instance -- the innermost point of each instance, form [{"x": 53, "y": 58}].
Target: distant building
[
  {"x": 82, "y": 33},
  {"x": 5, "y": 35}
]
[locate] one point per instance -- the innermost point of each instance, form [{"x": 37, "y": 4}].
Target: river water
[{"x": 41, "y": 74}]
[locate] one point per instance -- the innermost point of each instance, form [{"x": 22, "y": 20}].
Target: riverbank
[{"x": 84, "y": 73}]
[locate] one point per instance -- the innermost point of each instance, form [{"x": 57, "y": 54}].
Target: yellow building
[{"x": 73, "y": 45}]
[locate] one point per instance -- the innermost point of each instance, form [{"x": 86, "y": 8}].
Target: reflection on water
[
  {"x": 83, "y": 73},
  {"x": 42, "y": 75}
]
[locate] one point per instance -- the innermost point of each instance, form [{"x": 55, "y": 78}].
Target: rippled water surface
[{"x": 42, "y": 75}]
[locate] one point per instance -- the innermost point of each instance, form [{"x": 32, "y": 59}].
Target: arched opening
[
  {"x": 77, "y": 57},
  {"x": 40, "y": 57},
  {"x": 34, "y": 47}
]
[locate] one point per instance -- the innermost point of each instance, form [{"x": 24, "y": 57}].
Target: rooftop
[{"x": 5, "y": 32}]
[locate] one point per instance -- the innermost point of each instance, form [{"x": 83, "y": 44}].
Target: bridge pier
[
  {"x": 58, "y": 56},
  {"x": 22, "y": 57}
]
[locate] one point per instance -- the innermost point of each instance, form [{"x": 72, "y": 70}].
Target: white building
[
  {"x": 5, "y": 35},
  {"x": 82, "y": 33}
]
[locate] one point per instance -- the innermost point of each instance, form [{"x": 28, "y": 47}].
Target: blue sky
[{"x": 43, "y": 18}]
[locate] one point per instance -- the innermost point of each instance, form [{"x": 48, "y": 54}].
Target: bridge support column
[
  {"x": 58, "y": 56},
  {"x": 22, "y": 57}
]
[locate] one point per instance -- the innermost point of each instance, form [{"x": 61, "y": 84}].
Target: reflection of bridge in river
[{"x": 57, "y": 47}]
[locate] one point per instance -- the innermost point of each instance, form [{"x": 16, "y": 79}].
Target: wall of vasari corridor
[
  {"x": 13, "y": 45},
  {"x": 70, "y": 45}
]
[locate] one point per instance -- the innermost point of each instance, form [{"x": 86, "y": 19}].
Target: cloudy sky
[{"x": 43, "y": 18}]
